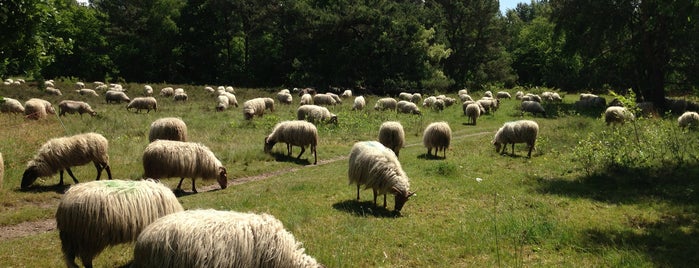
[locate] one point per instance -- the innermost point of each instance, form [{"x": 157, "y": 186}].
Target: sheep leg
[
  {"x": 71, "y": 175},
  {"x": 357, "y": 192},
  {"x": 60, "y": 182},
  {"x": 375, "y": 193},
  {"x": 531, "y": 147},
  {"x": 303, "y": 149},
  {"x": 179, "y": 186},
  {"x": 315, "y": 155},
  {"x": 513, "y": 149},
  {"x": 194, "y": 187},
  {"x": 99, "y": 170},
  {"x": 384, "y": 200},
  {"x": 288, "y": 149}
]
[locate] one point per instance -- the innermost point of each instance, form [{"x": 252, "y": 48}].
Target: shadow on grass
[
  {"x": 430, "y": 157},
  {"x": 290, "y": 158},
  {"x": 364, "y": 209},
  {"x": 60, "y": 189}
]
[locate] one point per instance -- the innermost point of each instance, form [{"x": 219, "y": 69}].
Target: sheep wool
[
  {"x": 306, "y": 99},
  {"x": 168, "y": 128},
  {"x": 112, "y": 96},
  {"x": 359, "y": 103},
  {"x": 63, "y": 153},
  {"x": 688, "y": 119},
  {"x": 405, "y": 96},
  {"x": 71, "y": 107},
  {"x": 324, "y": 99},
  {"x": 166, "y": 159},
  {"x": 472, "y": 111},
  {"x": 86, "y": 91},
  {"x": 386, "y": 104},
  {"x": 437, "y": 135},
  {"x": 346, "y": 94},
  {"x": 10, "y": 105},
  {"x": 521, "y": 131},
  {"x": 407, "y": 107},
  {"x": 392, "y": 135},
  {"x": 532, "y": 107},
  {"x": 38, "y": 108},
  {"x": 294, "y": 133},
  {"x": 254, "y": 107},
  {"x": 232, "y": 100},
  {"x": 94, "y": 215},
  {"x": 143, "y": 103},
  {"x": 284, "y": 97},
  {"x": 617, "y": 115},
  {"x": 315, "y": 114},
  {"x": 214, "y": 238},
  {"x": 416, "y": 98},
  {"x": 167, "y": 92},
  {"x": 373, "y": 165},
  {"x": 222, "y": 104}
]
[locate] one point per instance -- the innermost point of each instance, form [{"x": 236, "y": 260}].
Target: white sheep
[
  {"x": 465, "y": 97},
  {"x": 79, "y": 85},
  {"x": 254, "y": 107},
  {"x": 168, "y": 128},
  {"x": 392, "y": 135},
  {"x": 213, "y": 238},
  {"x": 335, "y": 97},
  {"x": 285, "y": 97},
  {"x": 438, "y": 104},
  {"x": 373, "y": 165},
  {"x": 147, "y": 90},
  {"x": 532, "y": 107},
  {"x": 346, "y": 94},
  {"x": 324, "y": 99},
  {"x": 209, "y": 89},
  {"x": 521, "y": 131},
  {"x": 48, "y": 83},
  {"x": 407, "y": 107},
  {"x": 467, "y": 103},
  {"x": 429, "y": 101},
  {"x": 617, "y": 115},
  {"x": 472, "y": 111},
  {"x": 167, "y": 92},
  {"x": 688, "y": 119},
  {"x": 223, "y": 103},
  {"x": 230, "y": 89},
  {"x": 116, "y": 96},
  {"x": 306, "y": 99},
  {"x": 488, "y": 94},
  {"x": 437, "y": 135},
  {"x": 143, "y": 103},
  {"x": 60, "y": 154},
  {"x": 232, "y": 100},
  {"x": 10, "y": 105},
  {"x": 269, "y": 104},
  {"x": 315, "y": 114},
  {"x": 87, "y": 91},
  {"x": 359, "y": 103},
  {"x": 38, "y": 108},
  {"x": 166, "y": 159},
  {"x": 294, "y": 133},
  {"x": 405, "y": 96},
  {"x": 94, "y": 215},
  {"x": 416, "y": 98},
  {"x": 519, "y": 95},
  {"x": 178, "y": 90},
  {"x": 531, "y": 97},
  {"x": 53, "y": 91},
  {"x": 71, "y": 107},
  {"x": 180, "y": 96},
  {"x": 386, "y": 104},
  {"x": 503, "y": 95},
  {"x": 587, "y": 96}
]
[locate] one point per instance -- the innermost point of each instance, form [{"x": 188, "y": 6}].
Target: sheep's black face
[
  {"x": 497, "y": 146},
  {"x": 268, "y": 145},
  {"x": 29, "y": 177},
  {"x": 401, "y": 199},
  {"x": 223, "y": 178}
]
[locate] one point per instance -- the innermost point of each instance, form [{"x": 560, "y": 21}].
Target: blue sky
[{"x": 509, "y": 4}]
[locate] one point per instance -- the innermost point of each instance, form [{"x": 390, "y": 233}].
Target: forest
[{"x": 381, "y": 46}]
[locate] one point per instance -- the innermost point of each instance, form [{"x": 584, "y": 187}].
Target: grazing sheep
[
  {"x": 178, "y": 90},
  {"x": 116, "y": 97},
  {"x": 166, "y": 159},
  {"x": 488, "y": 94},
  {"x": 587, "y": 96},
  {"x": 230, "y": 89},
  {"x": 490, "y": 105},
  {"x": 53, "y": 91},
  {"x": 47, "y": 83},
  {"x": 472, "y": 111},
  {"x": 462, "y": 91},
  {"x": 209, "y": 89},
  {"x": 213, "y": 238},
  {"x": 346, "y": 94},
  {"x": 532, "y": 107},
  {"x": 37, "y": 108},
  {"x": 519, "y": 95},
  {"x": 180, "y": 96},
  {"x": 407, "y": 107},
  {"x": 307, "y": 90},
  {"x": 79, "y": 85},
  {"x": 616, "y": 114},
  {"x": 9, "y": 105},
  {"x": 590, "y": 102},
  {"x": 359, "y": 103},
  {"x": 60, "y": 154},
  {"x": 429, "y": 101},
  {"x": 503, "y": 95},
  {"x": 167, "y": 92},
  {"x": 549, "y": 96},
  {"x": 254, "y": 107},
  {"x": 466, "y": 103},
  {"x": 416, "y": 98},
  {"x": 405, "y": 96},
  {"x": 147, "y": 90},
  {"x": 315, "y": 114},
  {"x": 269, "y": 104},
  {"x": 385, "y": 104},
  {"x": 392, "y": 135},
  {"x": 377, "y": 167},
  {"x": 335, "y": 97},
  {"x": 324, "y": 100},
  {"x": 437, "y": 135},
  {"x": 688, "y": 119},
  {"x": 223, "y": 103},
  {"x": 71, "y": 107},
  {"x": 531, "y": 97},
  {"x": 438, "y": 105},
  {"x": 231, "y": 98},
  {"x": 86, "y": 91},
  {"x": 306, "y": 99},
  {"x": 143, "y": 103},
  {"x": 285, "y": 97},
  {"x": 465, "y": 97},
  {"x": 168, "y": 128},
  {"x": 294, "y": 133},
  {"x": 522, "y": 131},
  {"x": 94, "y": 215}
]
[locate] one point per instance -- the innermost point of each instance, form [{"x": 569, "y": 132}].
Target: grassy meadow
[{"x": 591, "y": 195}]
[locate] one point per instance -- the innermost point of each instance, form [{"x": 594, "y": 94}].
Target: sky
[{"x": 509, "y": 4}]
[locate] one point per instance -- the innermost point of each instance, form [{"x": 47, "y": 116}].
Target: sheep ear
[
  {"x": 222, "y": 170},
  {"x": 411, "y": 194}
]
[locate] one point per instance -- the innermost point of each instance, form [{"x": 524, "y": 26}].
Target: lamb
[
  {"x": 294, "y": 133},
  {"x": 359, "y": 103},
  {"x": 521, "y": 131},
  {"x": 616, "y": 114},
  {"x": 472, "y": 111},
  {"x": 315, "y": 114},
  {"x": 377, "y": 167},
  {"x": 86, "y": 91},
  {"x": 165, "y": 159},
  {"x": 147, "y": 90},
  {"x": 180, "y": 96},
  {"x": 306, "y": 99},
  {"x": 167, "y": 92},
  {"x": 71, "y": 107},
  {"x": 392, "y": 135},
  {"x": 168, "y": 128},
  {"x": 284, "y": 97},
  {"x": 213, "y": 238},
  {"x": 346, "y": 94},
  {"x": 37, "y": 108},
  {"x": 324, "y": 100},
  {"x": 10, "y": 105},
  {"x": 437, "y": 135},
  {"x": 503, "y": 95},
  {"x": 231, "y": 98},
  {"x": 94, "y": 215},
  {"x": 532, "y": 107},
  {"x": 688, "y": 119},
  {"x": 60, "y": 154},
  {"x": 254, "y": 107},
  {"x": 143, "y": 103},
  {"x": 222, "y": 104},
  {"x": 407, "y": 107},
  {"x": 385, "y": 104},
  {"x": 116, "y": 96}
]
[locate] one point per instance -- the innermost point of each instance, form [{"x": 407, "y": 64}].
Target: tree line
[{"x": 380, "y": 45}]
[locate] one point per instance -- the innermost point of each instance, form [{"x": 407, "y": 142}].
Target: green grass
[{"x": 545, "y": 211}]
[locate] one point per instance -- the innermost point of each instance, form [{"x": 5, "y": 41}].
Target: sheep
[
  {"x": 532, "y": 107},
  {"x": 521, "y": 131},
  {"x": 79, "y": 85},
  {"x": 180, "y": 96},
  {"x": 466, "y": 103},
  {"x": 209, "y": 89},
  {"x": 335, "y": 97},
  {"x": 269, "y": 104},
  {"x": 587, "y": 96},
  {"x": 490, "y": 105},
  {"x": 284, "y": 97},
  {"x": 385, "y": 104},
  {"x": 116, "y": 97},
  {"x": 178, "y": 90},
  {"x": 60, "y": 154},
  {"x": 407, "y": 107},
  {"x": 231, "y": 98},
  {"x": 429, "y": 101},
  {"x": 590, "y": 102},
  {"x": 306, "y": 99},
  {"x": 165, "y": 159},
  {"x": 503, "y": 95},
  {"x": 405, "y": 96},
  {"x": 94, "y": 215},
  {"x": 531, "y": 97},
  {"x": 438, "y": 105},
  {"x": 223, "y": 103},
  {"x": 551, "y": 96},
  {"x": 462, "y": 91},
  {"x": 688, "y": 119},
  {"x": 416, "y": 98},
  {"x": 71, "y": 107},
  {"x": 437, "y": 135},
  {"x": 167, "y": 92},
  {"x": 346, "y": 94},
  {"x": 392, "y": 135},
  {"x": 616, "y": 114},
  {"x": 472, "y": 111},
  {"x": 377, "y": 167},
  {"x": 315, "y": 114},
  {"x": 37, "y": 108},
  {"x": 143, "y": 103},
  {"x": 86, "y": 91},
  {"x": 324, "y": 100},
  {"x": 214, "y": 238},
  {"x": 10, "y": 105},
  {"x": 359, "y": 103},
  {"x": 488, "y": 94},
  {"x": 147, "y": 90},
  {"x": 168, "y": 128},
  {"x": 254, "y": 107},
  {"x": 465, "y": 97},
  {"x": 53, "y": 91},
  {"x": 307, "y": 90},
  {"x": 48, "y": 83},
  {"x": 230, "y": 89},
  {"x": 294, "y": 133},
  {"x": 116, "y": 87},
  {"x": 519, "y": 95}
]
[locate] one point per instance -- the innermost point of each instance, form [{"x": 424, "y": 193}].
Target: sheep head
[
  {"x": 222, "y": 178},
  {"x": 269, "y": 144},
  {"x": 497, "y": 146},
  {"x": 400, "y": 198},
  {"x": 333, "y": 119},
  {"x": 30, "y": 175}
]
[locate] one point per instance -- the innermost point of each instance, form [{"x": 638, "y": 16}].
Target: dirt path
[{"x": 36, "y": 227}]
